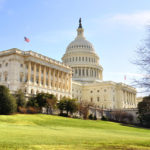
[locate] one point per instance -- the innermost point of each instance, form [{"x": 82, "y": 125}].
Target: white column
[
  {"x": 39, "y": 75},
  {"x": 53, "y": 78},
  {"x": 44, "y": 76},
  {"x": 34, "y": 79},
  {"x": 29, "y": 71},
  {"x": 49, "y": 78}
]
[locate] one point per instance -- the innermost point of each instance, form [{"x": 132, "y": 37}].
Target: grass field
[{"x": 59, "y": 133}]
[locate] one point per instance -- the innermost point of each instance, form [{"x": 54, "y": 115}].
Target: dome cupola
[{"x": 80, "y": 42}]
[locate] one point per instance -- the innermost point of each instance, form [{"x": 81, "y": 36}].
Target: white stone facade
[
  {"x": 88, "y": 84},
  {"x": 34, "y": 73}
]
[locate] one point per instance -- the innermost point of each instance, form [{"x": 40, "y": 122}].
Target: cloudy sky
[{"x": 115, "y": 27}]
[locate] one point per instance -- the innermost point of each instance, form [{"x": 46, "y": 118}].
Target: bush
[
  {"x": 7, "y": 101},
  {"x": 95, "y": 118},
  {"x": 121, "y": 116},
  {"x": 22, "y": 110},
  {"x": 104, "y": 118},
  {"x": 32, "y": 110},
  {"x": 63, "y": 114},
  {"x": 91, "y": 117}
]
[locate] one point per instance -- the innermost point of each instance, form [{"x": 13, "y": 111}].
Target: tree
[
  {"x": 44, "y": 100},
  {"x": 84, "y": 107},
  {"x": 67, "y": 104},
  {"x": 51, "y": 102},
  {"x": 143, "y": 62},
  {"x": 7, "y": 101},
  {"x": 32, "y": 102},
  {"x": 144, "y": 111},
  {"x": 20, "y": 99}
]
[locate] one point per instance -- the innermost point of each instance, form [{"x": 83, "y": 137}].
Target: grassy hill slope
[{"x": 59, "y": 133}]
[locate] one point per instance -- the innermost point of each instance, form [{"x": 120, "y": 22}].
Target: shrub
[
  {"x": 32, "y": 110},
  {"x": 95, "y": 118},
  {"x": 22, "y": 110},
  {"x": 91, "y": 117},
  {"x": 104, "y": 118},
  {"x": 121, "y": 116}
]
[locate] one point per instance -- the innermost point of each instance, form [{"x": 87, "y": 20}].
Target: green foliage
[
  {"x": 104, "y": 118},
  {"x": 91, "y": 117},
  {"x": 7, "y": 101},
  {"x": 95, "y": 118},
  {"x": 144, "y": 111},
  {"x": 43, "y": 100},
  {"x": 32, "y": 102},
  {"x": 67, "y": 104},
  {"x": 20, "y": 99}
]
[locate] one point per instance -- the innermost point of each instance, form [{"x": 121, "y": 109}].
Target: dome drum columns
[{"x": 86, "y": 72}]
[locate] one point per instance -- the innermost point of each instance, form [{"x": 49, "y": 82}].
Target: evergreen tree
[{"x": 7, "y": 101}]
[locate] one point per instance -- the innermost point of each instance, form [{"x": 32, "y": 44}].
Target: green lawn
[{"x": 59, "y": 133}]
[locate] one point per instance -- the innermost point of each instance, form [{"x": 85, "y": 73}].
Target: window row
[
  {"x": 99, "y": 91},
  {"x": 86, "y": 59},
  {"x": 80, "y": 46},
  {"x": 6, "y": 64}
]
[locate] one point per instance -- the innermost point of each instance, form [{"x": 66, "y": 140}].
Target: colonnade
[
  {"x": 129, "y": 99},
  {"x": 87, "y": 72},
  {"x": 47, "y": 77}
]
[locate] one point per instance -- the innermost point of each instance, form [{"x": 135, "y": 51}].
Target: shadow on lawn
[{"x": 133, "y": 125}]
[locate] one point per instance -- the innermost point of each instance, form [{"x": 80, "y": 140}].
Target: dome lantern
[{"x": 80, "y": 30}]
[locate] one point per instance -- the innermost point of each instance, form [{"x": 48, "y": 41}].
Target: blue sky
[{"x": 115, "y": 27}]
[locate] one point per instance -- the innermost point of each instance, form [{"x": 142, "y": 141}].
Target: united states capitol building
[{"x": 79, "y": 75}]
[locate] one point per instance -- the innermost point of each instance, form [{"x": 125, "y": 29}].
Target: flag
[
  {"x": 125, "y": 77},
  {"x": 27, "y": 39}
]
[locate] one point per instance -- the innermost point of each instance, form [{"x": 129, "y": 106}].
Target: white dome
[
  {"x": 80, "y": 43},
  {"x": 82, "y": 58}
]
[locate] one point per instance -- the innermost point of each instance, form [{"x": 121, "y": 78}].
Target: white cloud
[{"x": 137, "y": 19}]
